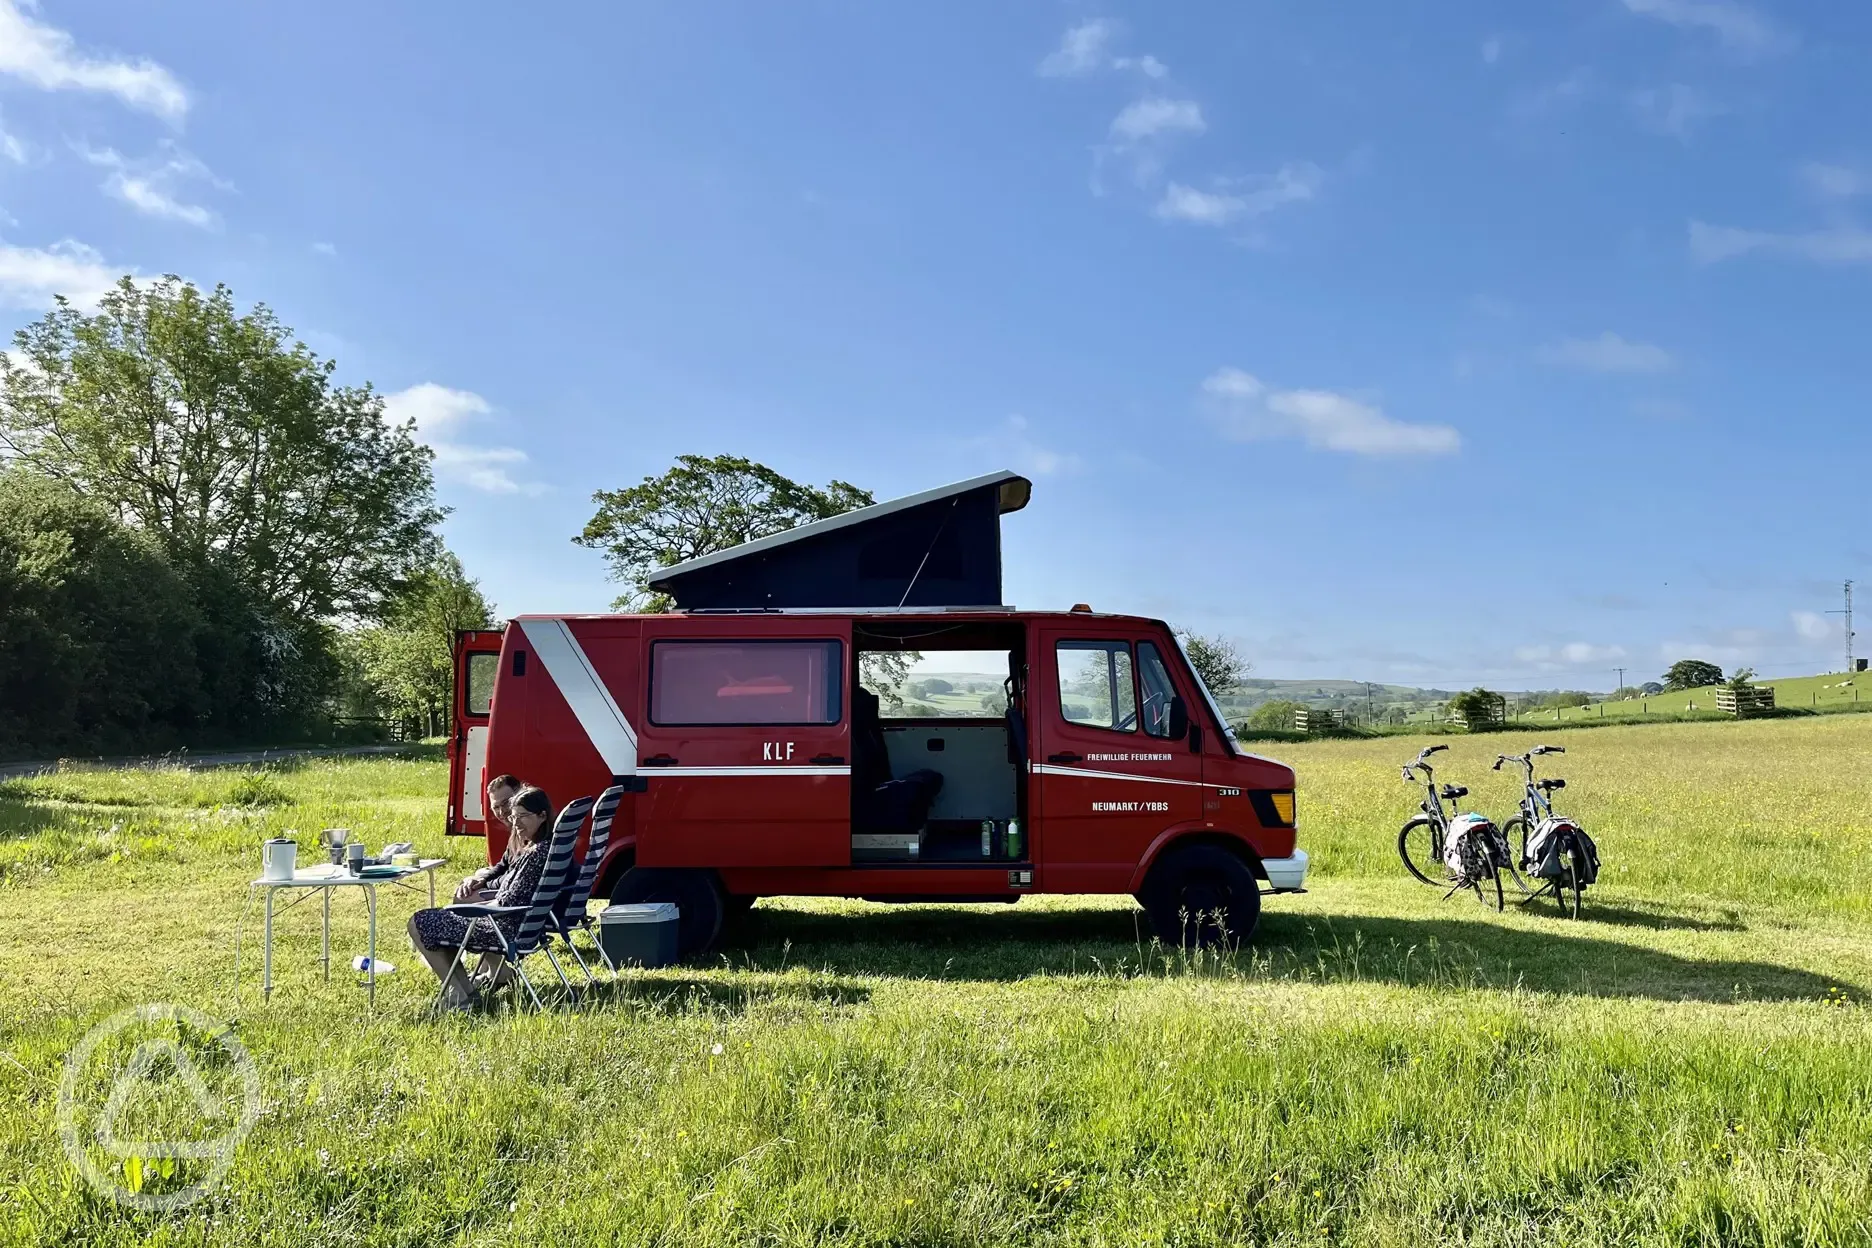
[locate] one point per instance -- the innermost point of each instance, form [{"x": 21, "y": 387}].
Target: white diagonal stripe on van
[
  {"x": 584, "y": 691},
  {"x": 1054, "y": 769}
]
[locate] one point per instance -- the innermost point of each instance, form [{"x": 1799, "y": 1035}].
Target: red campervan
[{"x": 783, "y": 750}]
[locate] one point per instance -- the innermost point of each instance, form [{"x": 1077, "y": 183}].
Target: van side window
[
  {"x": 480, "y": 693},
  {"x": 1095, "y": 686},
  {"x": 745, "y": 682},
  {"x": 1154, "y": 679}
]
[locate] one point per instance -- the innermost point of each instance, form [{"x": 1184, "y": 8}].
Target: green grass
[
  {"x": 1381, "y": 1067},
  {"x": 1836, "y": 692}
]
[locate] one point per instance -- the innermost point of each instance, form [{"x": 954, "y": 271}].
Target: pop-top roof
[{"x": 939, "y": 548}]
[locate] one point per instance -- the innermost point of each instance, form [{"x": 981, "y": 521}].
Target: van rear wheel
[
  {"x": 1202, "y": 896},
  {"x": 700, "y": 903}
]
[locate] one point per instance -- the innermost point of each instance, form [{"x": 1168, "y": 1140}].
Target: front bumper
[{"x": 1287, "y": 875}]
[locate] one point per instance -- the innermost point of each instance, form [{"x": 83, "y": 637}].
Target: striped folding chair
[
  {"x": 572, "y": 916},
  {"x": 531, "y": 936}
]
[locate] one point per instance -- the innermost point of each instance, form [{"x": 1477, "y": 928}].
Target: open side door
[{"x": 477, "y": 662}]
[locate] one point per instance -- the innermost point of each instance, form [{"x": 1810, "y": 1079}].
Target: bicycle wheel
[
  {"x": 1488, "y": 889},
  {"x": 1569, "y": 892},
  {"x": 1420, "y": 845},
  {"x": 1518, "y": 844}
]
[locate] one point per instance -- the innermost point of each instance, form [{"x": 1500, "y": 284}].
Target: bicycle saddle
[
  {"x": 1553, "y": 784},
  {"x": 1453, "y": 791}
]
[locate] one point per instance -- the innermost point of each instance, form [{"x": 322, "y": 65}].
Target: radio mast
[{"x": 1847, "y": 612}]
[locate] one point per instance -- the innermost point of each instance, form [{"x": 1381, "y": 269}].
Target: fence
[
  {"x": 1745, "y": 701},
  {"x": 1309, "y": 719},
  {"x": 1491, "y": 714}
]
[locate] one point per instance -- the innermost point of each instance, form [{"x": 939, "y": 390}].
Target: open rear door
[{"x": 477, "y": 661}]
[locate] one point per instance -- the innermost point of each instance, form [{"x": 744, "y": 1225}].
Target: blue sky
[{"x": 1424, "y": 343}]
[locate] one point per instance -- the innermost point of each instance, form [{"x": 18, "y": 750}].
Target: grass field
[
  {"x": 1836, "y": 692},
  {"x": 1381, "y": 1067}
]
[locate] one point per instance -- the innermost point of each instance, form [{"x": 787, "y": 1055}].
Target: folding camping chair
[
  {"x": 571, "y": 915},
  {"x": 531, "y": 935}
]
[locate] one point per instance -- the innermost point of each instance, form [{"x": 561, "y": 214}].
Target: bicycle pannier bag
[
  {"x": 1543, "y": 851},
  {"x": 1466, "y": 852}
]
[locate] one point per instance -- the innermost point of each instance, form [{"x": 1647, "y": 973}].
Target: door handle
[
  {"x": 659, "y": 760},
  {"x": 1068, "y": 757},
  {"x": 827, "y": 760}
]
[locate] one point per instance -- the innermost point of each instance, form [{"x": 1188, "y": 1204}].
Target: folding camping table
[{"x": 324, "y": 880}]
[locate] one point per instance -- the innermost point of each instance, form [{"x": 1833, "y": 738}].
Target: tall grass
[{"x": 1379, "y": 1067}]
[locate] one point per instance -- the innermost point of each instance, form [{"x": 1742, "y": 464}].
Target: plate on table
[{"x": 379, "y": 872}]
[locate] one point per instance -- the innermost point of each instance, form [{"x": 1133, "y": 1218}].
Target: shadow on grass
[{"x": 1454, "y": 951}]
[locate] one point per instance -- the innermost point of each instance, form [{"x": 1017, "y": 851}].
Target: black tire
[
  {"x": 1517, "y": 843},
  {"x": 1423, "y": 857},
  {"x": 701, "y": 905},
  {"x": 1203, "y": 896},
  {"x": 1569, "y": 893},
  {"x": 739, "y": 904},
  {"x": 1488, "y": 891}
]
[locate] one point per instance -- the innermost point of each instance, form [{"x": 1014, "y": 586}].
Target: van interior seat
[{"x": 881, "y": 802}]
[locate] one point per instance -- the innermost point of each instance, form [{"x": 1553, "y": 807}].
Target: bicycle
[
  {"x": 1554, "y": 849},
  {"x": 1432, "y": 867}
]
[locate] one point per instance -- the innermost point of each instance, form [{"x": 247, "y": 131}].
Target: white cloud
[
  {"x": 1813, "y": 626},
  {"x": 325, "y": 249},
  {"x": 13, "y": 147},
  {"x": 1675, "y": 110},
  {"x": 1739, "y": 29},
  {"x": 31, "y": 276},
  {"x": 1608, "y": 353},
  {"x": 48, "y": 58},
  {"x": 1149, "y": 66},
  {"x": 151, "y": 185},
  {"x": 1246, "y": 410},
  {"x": 1082, "y": 49},
  {"x": 1843, "y": 244},
  {"x": 1292, "y": 184},
  {"x": 439, "y": 413},
  {"x": 1574, "y": 653},
  {"x": 1155, "y": 115},
  {"x": 1014, "y": 444},
  {"x": 1836, "y": 181},
  {"x": 1491, "y": 49},
  {"x": 152, "y": 201}
]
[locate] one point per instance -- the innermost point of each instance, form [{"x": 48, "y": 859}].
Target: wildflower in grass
[{"x": 716, "y": 1051}]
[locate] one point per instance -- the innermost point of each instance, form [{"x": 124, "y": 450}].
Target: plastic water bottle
[
  {"x": 988, "y": 829},
  {"x": 1014, "y": 839},
  {"x": 362, "y": 965}
]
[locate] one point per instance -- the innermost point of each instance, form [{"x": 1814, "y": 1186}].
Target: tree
[
  {"x": 1477, "y": 707},
  {"x": 1217, "y": 662},
  {"x": 229, "y": 446},
  {"x": 1741, "y": 678},
  {"x": 1650, "y": 688},
  {"x": 701, "y": 506},
  {"x": 408, "y": 662},
  {"x": 97, "y": 632},
  {"x": 883, "y": 672},
  {"x": 1275, "y": 716},
  {"x": 1692, "y": 674}
]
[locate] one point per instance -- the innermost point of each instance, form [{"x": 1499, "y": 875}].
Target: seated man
[{"x": 481, "y": 885}]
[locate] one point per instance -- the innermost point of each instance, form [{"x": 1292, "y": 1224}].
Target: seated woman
[
  {"x": 437, "y": 934},
  {"x": 482, "y": 884}
]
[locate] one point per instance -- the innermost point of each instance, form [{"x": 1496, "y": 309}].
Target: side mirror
[{"x": 1179, "y": 719}]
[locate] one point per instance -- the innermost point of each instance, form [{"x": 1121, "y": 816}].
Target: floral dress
[{"x": 438, "y": 929}]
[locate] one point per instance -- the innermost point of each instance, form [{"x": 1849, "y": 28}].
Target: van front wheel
[
  {"x": 697, "y": 895},
  {"x": 1202, "y": 896}
]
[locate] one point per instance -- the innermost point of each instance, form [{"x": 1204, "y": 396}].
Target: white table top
[{"x": 326, "y": 875}]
